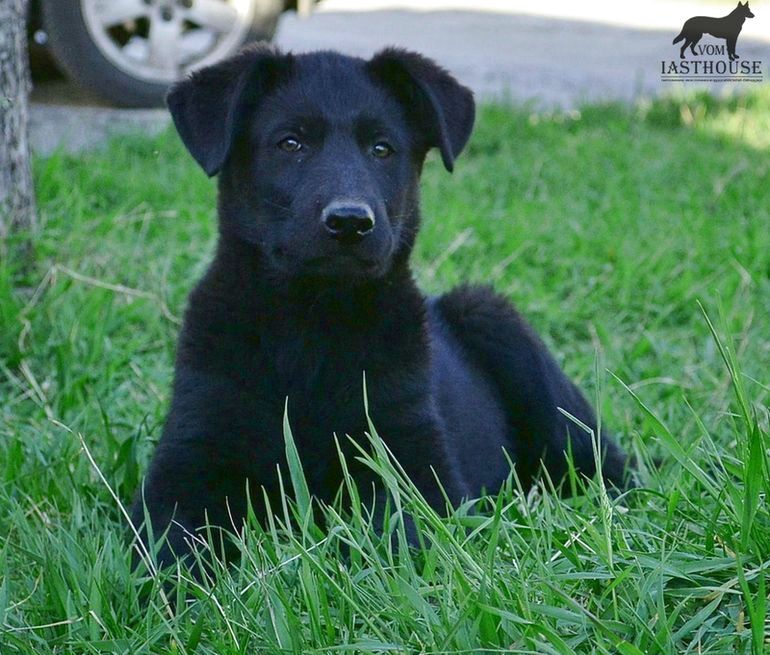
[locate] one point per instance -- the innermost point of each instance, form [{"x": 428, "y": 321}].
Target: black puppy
[{"x": 319, "y": 159}]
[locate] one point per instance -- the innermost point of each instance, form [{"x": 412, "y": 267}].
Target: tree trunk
[{"x": 17, "y": 197}]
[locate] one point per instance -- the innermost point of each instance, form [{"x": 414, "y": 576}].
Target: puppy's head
[{"x": 319, "y": 155}]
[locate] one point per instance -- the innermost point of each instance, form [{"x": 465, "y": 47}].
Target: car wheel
[{"x": 130, "y": 51}]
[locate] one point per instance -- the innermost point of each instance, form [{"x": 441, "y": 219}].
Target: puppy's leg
[
  {"x": 413, "y": 432},
  {"x": 531, "y": 385},
  {"x": 190, "y": 486},
  {"x": 199, "y": 472},
  {"x": 409, "y": 424}
]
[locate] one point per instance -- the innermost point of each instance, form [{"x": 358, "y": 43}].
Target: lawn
[{"x": 637, "y": 241}]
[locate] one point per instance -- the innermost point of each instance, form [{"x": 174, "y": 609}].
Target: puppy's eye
[
  {"x": 382, "y": 149},
  {"x": 290, "y": 144}
]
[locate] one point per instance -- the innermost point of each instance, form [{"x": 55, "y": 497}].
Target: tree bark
[{"x": 17, "y": 194}]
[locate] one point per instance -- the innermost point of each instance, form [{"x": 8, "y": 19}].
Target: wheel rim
[{"x": 159, "y": 41}]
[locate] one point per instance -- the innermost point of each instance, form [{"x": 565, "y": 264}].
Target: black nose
[{"x": 348, "y": 221}]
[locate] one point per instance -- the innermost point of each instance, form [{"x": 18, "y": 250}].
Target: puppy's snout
[{"x": 348, "y": 221}]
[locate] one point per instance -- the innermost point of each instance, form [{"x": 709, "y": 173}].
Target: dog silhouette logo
[{"x": 727, "y": 27}]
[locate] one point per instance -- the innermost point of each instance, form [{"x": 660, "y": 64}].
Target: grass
[{"x": 637, "y": 240}]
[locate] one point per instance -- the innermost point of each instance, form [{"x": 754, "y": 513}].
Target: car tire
[{"x": 87, "y": 63}]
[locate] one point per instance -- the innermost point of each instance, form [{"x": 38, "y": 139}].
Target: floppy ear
[
  {"x": 441, "y": 106},
  {"x": 207, "y": 106}
]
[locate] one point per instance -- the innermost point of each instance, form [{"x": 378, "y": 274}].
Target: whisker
[{"x": 267, "y": 201}]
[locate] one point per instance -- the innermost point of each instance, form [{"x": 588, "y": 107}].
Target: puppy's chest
[
  {"x": 322, "y": 362},
  {"x": 322, "y": 373},
  {"x": 318, "y": 368},
  {"x": 321, "y": 385}
]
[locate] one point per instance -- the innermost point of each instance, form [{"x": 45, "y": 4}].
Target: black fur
[{"x": 288, "y": 309}]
